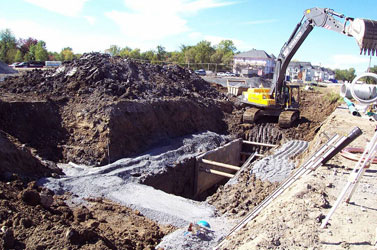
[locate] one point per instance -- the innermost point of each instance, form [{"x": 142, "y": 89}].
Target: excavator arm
[{"x": 364, "y": 31}]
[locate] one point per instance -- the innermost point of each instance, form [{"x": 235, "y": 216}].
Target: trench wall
[{"x": 229, "y": 154}]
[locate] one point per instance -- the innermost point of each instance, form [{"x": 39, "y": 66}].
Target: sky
[{"x": 95, "y": 25}]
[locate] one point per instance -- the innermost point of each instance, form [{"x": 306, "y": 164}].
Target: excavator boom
[{"x": 278, "y": 101}]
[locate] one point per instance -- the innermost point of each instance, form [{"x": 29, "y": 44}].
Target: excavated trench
[{"x": 195, "y": 179}]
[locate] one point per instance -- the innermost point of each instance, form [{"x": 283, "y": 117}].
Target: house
[
  {"x": 254, "y": 62},
  {"x": 305, "y": 71},
  {"x": 300, "y": 71}
]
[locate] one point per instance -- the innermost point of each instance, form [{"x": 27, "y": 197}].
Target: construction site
[{"x": 105, "y": 152}]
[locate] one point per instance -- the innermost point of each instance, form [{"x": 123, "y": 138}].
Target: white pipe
[
  {"x": 364, "y": 91},
  {"x": 363, "y": 99}
]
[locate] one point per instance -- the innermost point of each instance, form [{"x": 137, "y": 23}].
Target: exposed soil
[
  {"x": 33, "y": 218},
  {"x": 293, "y": 220},
  {"x": 96, "y": 110}
]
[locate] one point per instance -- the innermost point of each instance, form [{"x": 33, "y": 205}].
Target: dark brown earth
[
  {"x": 98, "y": 109},
  {"x": 106, "y": 110}
]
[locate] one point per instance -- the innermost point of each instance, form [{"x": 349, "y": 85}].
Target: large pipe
[
  {"x": 364, "y": 91},
  {"x": 357, "y": 96}
]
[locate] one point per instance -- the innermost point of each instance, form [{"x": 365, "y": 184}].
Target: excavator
[{"x": 282, "y": 99}]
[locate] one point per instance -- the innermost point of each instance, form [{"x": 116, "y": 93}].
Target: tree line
[
  {"x": 29, "y": 49},
  {"x": 349, "y": 74},
  {"x": 201, "y": 55}
]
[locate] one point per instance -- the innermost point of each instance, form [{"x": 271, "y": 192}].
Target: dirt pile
[
  {"x": 18, "y": 161},
  {"x": 101, "y": 74},
  {"x": 107, "y": 108},
  {"x": 32, "y": 217},
  {"x": 5, "y": 69}
]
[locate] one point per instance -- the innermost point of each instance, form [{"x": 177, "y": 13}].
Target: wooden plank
[
  {"x": 216, "y": 172},
  {"x": 260, "y": 144},
  {"x": 220, "y": 164}
]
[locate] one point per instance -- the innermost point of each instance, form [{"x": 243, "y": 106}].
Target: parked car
[
  {"x": 220, "y": 74},
  {"x": 229, "y": 74},
  {"x": 22, "y": 65},
  {"x": 35, "y": 64},
  {"x": 200, "y": 72},
  {"x": 14, "y": 64}
]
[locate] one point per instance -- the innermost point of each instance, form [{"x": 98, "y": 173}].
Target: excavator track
[
  {"x": 287, "y": 118},
  {"x": 251, "y": 115}
]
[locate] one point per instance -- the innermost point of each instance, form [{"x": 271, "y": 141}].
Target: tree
[
  {"x": 25, "y": 44},
  {"x": 148, "y": 55},
  {"x": 18, "y": 57},
  {"x": 30, "y": 55},
  {"x": 161, "y": 53},
  {"x": 125, "y": 52},
  {"x": 203, "y": 50},
  {"x": 345, "y": 75},
  {"x": 7, "y": 46},
  {"x": 135, "y": 54},
  {"x": 41, "y": 53},
  {"x": 67, "y": 54},
  {"x": 227, "y": 46},
  {"x": 113, "y": 50}
]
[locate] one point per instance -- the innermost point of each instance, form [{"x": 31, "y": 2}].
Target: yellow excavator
[{"x": 282, "y": 99}]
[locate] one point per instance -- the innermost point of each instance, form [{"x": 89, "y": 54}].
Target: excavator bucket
[{"x": 365, "y": 33}]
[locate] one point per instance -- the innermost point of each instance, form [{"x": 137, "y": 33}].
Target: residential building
[
  {"x": 254, "y": 63},
  {"x": 305, "y": 71}
]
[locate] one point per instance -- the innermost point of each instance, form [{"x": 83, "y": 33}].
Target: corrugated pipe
[
  {"x": 363, "y": 91},
  {"x": 351, "y": 106}
]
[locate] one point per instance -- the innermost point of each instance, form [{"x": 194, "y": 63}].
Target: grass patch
[{"x": 333, "y": 97}]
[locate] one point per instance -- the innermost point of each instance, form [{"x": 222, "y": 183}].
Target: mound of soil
[
  {"x": 5, "y": 69},
  {"x": 98, "y": 109},
  {"x": 19, "y": 161},
  {"x": 33, "y": 218}
]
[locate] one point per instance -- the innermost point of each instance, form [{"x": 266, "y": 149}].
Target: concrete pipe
[
  {"x": 358, "y": 96},
  {"x": 363, "y": 91}
]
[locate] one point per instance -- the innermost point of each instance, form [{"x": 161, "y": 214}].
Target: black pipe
[{"x": 356, "y": 132}]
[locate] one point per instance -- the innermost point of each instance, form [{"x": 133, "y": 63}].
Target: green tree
[
  {"x": 148, "y": 55},
  {"x": 41, "y": 53},
  {"x": 135, "y": 54},
  {"x": 161, "y": 53},
  {"x": 114, "y": 50},
  {"x": 67, "y": 54},
  {"x": 7, "y": 46},
  {"x": 345, "y": 74},
  {"x": 18, "y": 57},
  {"x": 203, "y": 52},
  {"x": 30, "y": 55},
  {"x": 125, "y": 52}
]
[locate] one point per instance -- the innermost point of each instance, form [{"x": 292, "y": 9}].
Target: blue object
[{"x": 203, "y": 223}]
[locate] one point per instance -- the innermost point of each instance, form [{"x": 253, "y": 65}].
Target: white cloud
[
  {"x": 146, "y": 19},
  {"x": 56, "y": 39},
  {"x": 346, "y": 61},
  {"x": 91, "y": 20},
  {"x": 66, "y": 7},
  {"x": 255, "y": 22}
]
